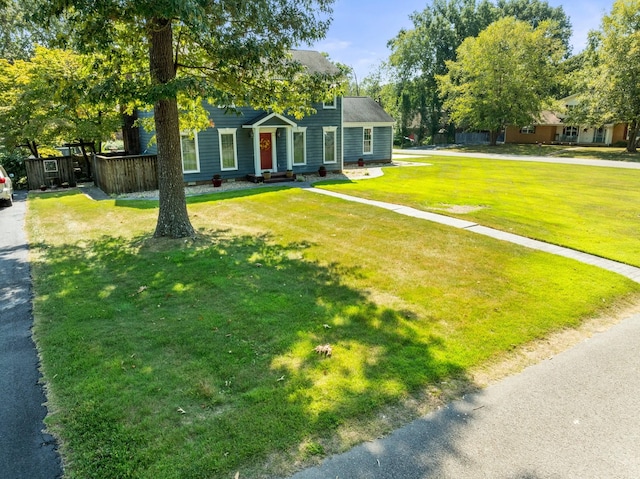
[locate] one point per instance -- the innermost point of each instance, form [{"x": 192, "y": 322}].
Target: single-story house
[
  {"x": 550, "y": 128},
  {"x": 252, "y": 142}
]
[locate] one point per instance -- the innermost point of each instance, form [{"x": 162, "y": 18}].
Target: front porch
[{"x": 275, "y": 177}]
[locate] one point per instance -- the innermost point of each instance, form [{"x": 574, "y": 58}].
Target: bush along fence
[
  {"x": 125, "y": 174},
  {"x": 45, "y": 173}
]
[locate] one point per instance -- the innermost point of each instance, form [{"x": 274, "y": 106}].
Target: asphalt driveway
[{"x": 26, "y": 452}]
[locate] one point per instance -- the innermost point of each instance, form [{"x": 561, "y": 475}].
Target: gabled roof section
[
  {"x": 548, "y": 117},
  {"x": 269, "y": 119},
  {"x": 359, "y": 110},
  {"x": 315, "y": 62}
]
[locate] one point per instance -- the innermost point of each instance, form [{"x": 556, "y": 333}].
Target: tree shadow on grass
[
  {"x": 197, "y": 356},
  {"x": 204, "y": 198}
]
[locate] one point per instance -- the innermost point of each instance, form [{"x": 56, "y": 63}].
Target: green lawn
[
  {"x": 592, "y": 209},
  {"x": 194, "y": 358},
  {"x": 567, "y": 151}
]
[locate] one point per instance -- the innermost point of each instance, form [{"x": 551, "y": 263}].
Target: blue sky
[{"x": 360, "y": 30}]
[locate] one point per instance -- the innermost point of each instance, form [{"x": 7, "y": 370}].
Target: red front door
[{"x": 266, "y": 151}]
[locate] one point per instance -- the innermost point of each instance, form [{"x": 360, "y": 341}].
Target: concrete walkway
[{"x": 630, "y": 272}]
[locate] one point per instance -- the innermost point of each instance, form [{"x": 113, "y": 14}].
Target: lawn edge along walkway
[{"x": 630, "y": 272}]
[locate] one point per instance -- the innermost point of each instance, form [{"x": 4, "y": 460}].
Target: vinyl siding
[
  {"x": 209, "y": 144},
  {"x": 382, "y": 140}
]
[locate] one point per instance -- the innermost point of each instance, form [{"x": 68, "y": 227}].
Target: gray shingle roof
[
  {"x": 315, "y": 62},
  {"x": 363, "y": 109}
]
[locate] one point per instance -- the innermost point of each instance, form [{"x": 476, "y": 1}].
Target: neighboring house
[
  {"x": 551, "y": 128},
  {"x": 253, "y": 142}
]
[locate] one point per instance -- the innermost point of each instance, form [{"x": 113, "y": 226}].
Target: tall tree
[
  {"x": 419, "y": 54},
  {"x": 502, "y": 77},
  {"x": 49, "y": 99},
  {"x": 230, "y": 52},
  {"x": 609, "y": 82}
]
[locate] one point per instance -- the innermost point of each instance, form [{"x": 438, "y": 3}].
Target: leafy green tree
[
  {"x": 609, "y": 81},
  {"x": 49, "y": 100},
  {"x": 421, "y": 53},
  {"x": 230, "y": 52},
  {"x": 502, "y": 77},
  {"x": 535, "y": 12}
]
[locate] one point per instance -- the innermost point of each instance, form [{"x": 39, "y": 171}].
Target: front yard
[
  {"x": 591, "y": 209},
  {"x": 195, "y": 359}
]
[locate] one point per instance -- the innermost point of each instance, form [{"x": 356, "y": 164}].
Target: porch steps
[{"x": 280, "y": 177}]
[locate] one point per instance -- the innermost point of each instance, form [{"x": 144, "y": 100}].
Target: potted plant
[
  {"x": 216, "y": 180},
  {"x": 322, "y": 171},
  {"x": 43, "y": 187},
  {"x": 266, "y": 175},
  {"x": 360, "y": 162}
]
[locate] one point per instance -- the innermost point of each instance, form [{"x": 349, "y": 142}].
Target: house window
[
  {"x": 189, "y": 152},
  {"x": 331, "y": 105},
  {"x": 330, "y": 144},
  {"x": 300, "y": 146},
  {"x": 570, "y": 133},
  {"x": 599, "y": 135},
  {"x": 367, "y": 140},
  {"x": 528, "y": 130},
  {"x": 228, "y": 150}
]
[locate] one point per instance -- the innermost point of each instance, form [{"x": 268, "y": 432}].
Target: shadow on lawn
[
  {"x": 223, "y": 327},
  {"x": 204, "y": 198}
]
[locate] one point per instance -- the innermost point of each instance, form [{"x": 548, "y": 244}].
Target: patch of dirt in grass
[{"x": 459, "y": 209}]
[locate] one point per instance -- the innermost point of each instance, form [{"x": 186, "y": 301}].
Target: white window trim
[
  {"x": 363, "y": 151},
  {"x": 303, "y": 130},
  {"x": 528, "y": 130},
  {"x": 234, "y": 132},
  {"x": 325, "y": 130},
  {"x": 195, "y": 144},
  {"x": 331, "y": 106}
]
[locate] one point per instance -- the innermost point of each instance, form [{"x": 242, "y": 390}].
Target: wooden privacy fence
[
  {"x": 125, "y": 174},
  {"x": 50, "y": 172}
]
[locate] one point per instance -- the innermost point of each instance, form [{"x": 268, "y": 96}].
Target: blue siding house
[
  {"x": 368, "y": 130},
  {"x": 248, "y": 142}
]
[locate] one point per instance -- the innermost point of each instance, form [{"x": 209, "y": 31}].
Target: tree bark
[
  {"x": 493, "y": 137},
  {"x": 131, "y": 134},
  {"x": 173, "y": 219},
  {"x": 632, "y": 144}
]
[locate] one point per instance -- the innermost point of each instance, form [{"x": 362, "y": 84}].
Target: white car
[{"x": 6, "y": 188}]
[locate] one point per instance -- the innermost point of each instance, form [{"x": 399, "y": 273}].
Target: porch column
[
  {"x": 289, "y": 131},
  {"x": 256, "y": 151}
]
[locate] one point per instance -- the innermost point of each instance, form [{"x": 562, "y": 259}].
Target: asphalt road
[
  {"x": 26, "y": 452},
  {"x": 576, "y": 415}
]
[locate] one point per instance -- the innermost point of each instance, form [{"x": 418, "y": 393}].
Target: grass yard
[
  {"x": 591, "y": 209},
  {"x": 195, "y": 358},
  {"x": 565, "y": 151}
]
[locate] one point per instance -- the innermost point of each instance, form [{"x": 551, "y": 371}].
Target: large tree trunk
[
  {"x": 632, "y": 144},
  {"x": 173, "y": 219},
  {"x": 493, "y": 137},
  {"x": 131, "y": 134}
]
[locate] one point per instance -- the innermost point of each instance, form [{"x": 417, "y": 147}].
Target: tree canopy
[
  {"x": 502, "y": 76},
  {"x": 229, "y": 52},
  {"x": 421, "y": 53},
  {"x": 50, "y": 99}
]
